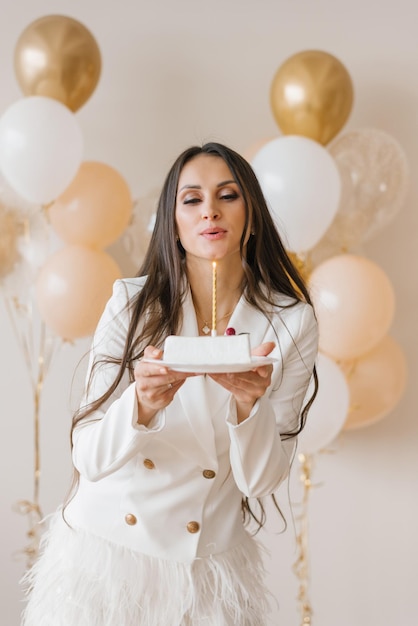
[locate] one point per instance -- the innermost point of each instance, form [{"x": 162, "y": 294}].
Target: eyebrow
[{"x": 224, "y": 182}]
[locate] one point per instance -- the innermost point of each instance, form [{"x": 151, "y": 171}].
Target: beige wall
[{"x": 175, "y": 73}]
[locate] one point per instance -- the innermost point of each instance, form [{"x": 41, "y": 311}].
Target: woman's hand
[
  {"x": 247, "y": 387},
  {"x": 156, "y": 385}
]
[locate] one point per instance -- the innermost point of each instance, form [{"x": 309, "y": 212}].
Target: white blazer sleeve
[
  {"x": 260, "y": 456},
  {"x": 110, "y": 436}
]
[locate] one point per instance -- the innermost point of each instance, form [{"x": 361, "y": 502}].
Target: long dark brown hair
[{"x": 268, "y": 270}]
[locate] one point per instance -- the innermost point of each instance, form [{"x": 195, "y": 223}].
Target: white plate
[{"x": 256, "y": 361}]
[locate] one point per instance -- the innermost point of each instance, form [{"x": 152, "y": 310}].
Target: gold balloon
[
  {"x": 311, "y": 95},
  {"x": 58, "y": 57}
]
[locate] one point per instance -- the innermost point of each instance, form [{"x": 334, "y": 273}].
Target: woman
[{"x": 166, "y": 462}]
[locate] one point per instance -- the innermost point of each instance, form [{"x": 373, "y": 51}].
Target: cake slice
[{"x": 223, "y": 350}]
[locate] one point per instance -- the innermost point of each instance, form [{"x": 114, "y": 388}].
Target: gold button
[
  {"x": 130, "y": 519},
  {"x": 149, "y": 464},
  {"x": 193, "y": 527},
  {"x": 209, "y": 474}
]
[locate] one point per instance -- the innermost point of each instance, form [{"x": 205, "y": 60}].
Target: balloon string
[
  {"x": 349, "y": 369},
  {"x": 37, "y": 392},
  {"x": 16, "y": 310},
  {"x": 301, "y": 565},
  {"x": 37, "y": 370},
  {"x": 34, "y": 515}
]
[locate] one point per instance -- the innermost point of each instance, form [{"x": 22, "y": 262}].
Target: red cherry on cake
[{"x": 230, "y": 331}]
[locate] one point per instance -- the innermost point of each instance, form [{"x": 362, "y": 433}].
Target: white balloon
[
  {"x": 329, "y": 410},
  {"x": 302, "y": 185},
  {"x": 41, "y": 148}
]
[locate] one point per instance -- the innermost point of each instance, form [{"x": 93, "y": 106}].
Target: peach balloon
[
  {"x": 354, "y": 302},
  {"x": 95, "y": 208},
  {"x": 376, "y": 382},
  {"x": 72, "y": 289}
]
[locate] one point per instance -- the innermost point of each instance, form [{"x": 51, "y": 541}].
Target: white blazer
[{"x": 173, "y": 489}]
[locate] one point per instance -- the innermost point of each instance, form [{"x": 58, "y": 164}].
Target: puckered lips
[{"x": 213, "y": 232}]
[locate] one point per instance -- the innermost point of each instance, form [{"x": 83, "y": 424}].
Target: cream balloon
[
  {"x": 94, "y": 209},
  {"x": 354, "y": 302},
  {"x": 301, "y": 184},
  {"x": 41, "y": 147},
  {"x": 376, "y": 382},
  {"x": 329, "y": 410},
  {"x": 72, "y": 289}
]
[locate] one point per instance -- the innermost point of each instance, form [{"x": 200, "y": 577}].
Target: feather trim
[{"x": 83, "y": 580}]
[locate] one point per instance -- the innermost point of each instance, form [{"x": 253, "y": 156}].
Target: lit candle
[{"x": 213, "y": 332}]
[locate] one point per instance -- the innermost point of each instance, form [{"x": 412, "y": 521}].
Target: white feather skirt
[{"x": 83, "y": 580}]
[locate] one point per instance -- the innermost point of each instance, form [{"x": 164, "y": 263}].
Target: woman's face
[{"x": 210, "y": 209}]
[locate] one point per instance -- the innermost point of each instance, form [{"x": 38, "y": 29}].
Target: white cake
[{"x": 222, "y": 350}]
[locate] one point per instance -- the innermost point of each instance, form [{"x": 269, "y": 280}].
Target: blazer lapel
[{"x": 247, "y": 319}]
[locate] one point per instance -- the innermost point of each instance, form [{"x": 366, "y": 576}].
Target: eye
[
  {"x": 193, "y": 200},
  {"x": 229, "y": 195}
]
